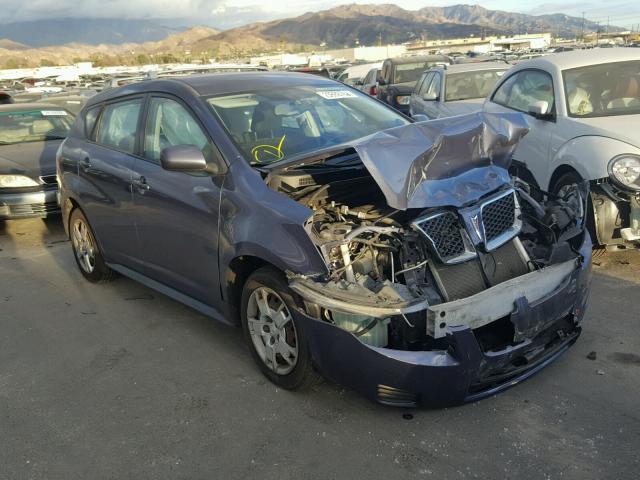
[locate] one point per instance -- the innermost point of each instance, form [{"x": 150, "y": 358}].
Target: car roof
[
  {"x": 473, "y": 67},
  {"x": 19, "y": 107},
  {"x": 421, "y": 58},
  {"x": 216, "y": 84},
  {"x": 362, "y": 69},
  {"x": 582, "y": 58}
]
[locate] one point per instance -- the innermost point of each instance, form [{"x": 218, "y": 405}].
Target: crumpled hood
[
  {"x": 446, "y": 162},
  {"x": 33, "y": 159}
]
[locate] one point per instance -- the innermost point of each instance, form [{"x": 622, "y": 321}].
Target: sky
[{"x": 231, "y": 13}]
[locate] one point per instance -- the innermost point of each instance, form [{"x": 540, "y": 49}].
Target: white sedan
[{"x": 584, "y": 111}]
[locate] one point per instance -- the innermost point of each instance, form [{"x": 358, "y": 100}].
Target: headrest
[{"x": 40, "y": 127}]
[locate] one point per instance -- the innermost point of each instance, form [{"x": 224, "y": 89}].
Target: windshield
[
  {"x": 410, "y": 72},
  {"x": 603, "y": 90},
  {"x": 34, "y": 125},
  {"x": 468, "y": 85},
  {"x": 273, "y": 124}
]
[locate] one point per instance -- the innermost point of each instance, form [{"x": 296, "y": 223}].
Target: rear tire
[
  {"x": 86, "y": 250},
  {"x": 276, "y": 340}
]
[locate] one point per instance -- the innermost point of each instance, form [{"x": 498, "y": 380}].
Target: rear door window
[{"x": 119, "y": 125}]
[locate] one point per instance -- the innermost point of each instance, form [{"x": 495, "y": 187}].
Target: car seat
[
  {"x": 580, "y": 102},
  {"x": 627, "y": 94}
]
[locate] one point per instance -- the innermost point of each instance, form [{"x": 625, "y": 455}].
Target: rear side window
[
  {"x": 119, "y": 124},
  {"x": 90, "y": 118}
]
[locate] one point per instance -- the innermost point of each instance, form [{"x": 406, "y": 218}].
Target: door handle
[
  {"x": 141, "y": 184},
  {"x": 85, "y": 163}
]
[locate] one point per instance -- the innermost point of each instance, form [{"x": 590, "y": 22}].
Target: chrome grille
[
  {"x": 446, "y": 235},
  {"x": 455, "y": 235},
  {"x": 498, "y": 217},
  {"x": 444, "y": 232}
]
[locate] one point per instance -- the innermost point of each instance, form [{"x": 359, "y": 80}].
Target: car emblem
[{"x": 476, "y": 226}]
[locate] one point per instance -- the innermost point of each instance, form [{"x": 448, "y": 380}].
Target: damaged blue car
[{"x": 394, "y": 257}]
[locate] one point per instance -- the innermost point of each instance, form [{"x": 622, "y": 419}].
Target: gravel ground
[{"x": 116, "y": 381}]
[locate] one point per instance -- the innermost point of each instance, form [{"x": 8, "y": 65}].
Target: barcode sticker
[{"x": 335, "y": 94}]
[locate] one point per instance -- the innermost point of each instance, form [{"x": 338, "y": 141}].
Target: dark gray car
[
  {"x": 395, "y": 257},
  {"x": 30, "y": 135}
]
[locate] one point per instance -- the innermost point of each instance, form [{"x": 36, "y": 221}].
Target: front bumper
[
  {"x": 42, "y": 203},
  {"x": 616, "y": 214},
  {"x": 463, "y": 372},
  {"x": 631, "y": 234}
]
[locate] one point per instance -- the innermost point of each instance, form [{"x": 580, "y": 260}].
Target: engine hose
[
  {"x": 368, "y": 328},
  {"x": 316, "y": 194}
]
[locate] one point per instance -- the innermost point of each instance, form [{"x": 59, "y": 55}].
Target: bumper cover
[
  {"x": 464, "y": 372},
  {"x": 31, "y": 204}
]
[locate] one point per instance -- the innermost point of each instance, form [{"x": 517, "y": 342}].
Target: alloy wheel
[
  {"x": 272, "y": 330},
  {"x": 83, "y": 245}
]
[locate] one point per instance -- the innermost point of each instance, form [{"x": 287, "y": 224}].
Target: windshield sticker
[
  {"x": 53, "y": 113},
  {"x": 335, "y": 94},
  {"x": 268, "y": 153}
]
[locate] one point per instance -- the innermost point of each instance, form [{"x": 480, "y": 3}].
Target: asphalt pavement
[{"x": 116, "y": 381}]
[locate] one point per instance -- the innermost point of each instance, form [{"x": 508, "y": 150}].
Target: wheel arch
[
  {"x": 588, "y": 155},
  {"x": 559, "y": 172},
  {"x": 70, "y": 204},
  {"x": 235, "y": 276}
]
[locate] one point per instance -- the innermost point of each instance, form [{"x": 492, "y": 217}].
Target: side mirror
[
  {"x": 540, "y": 110},
  {"x": 430, "y": 97},
  {"x": 183, "y": 158},
  {"x": 358, "y": 82},
  {"x": 381, "y": 81},
  {"x": 419, "y": 117}
]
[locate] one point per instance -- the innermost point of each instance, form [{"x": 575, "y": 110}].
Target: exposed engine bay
[{"x": 398, "y": 278}]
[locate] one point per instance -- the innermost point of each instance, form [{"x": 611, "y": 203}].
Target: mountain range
[
  {"x": 92, "y": 31},
  {"x": 346, "y": 25}
]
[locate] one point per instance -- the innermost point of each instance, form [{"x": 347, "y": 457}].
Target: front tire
[
  {"x": 572, "y": 178},
  {"x": 277, "y": 342},
  {"x": 86, "y": 250}
]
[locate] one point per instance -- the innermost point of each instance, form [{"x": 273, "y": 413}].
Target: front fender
[
  {"x": 589, "y": 155},
  {"x": 256, "y": 221}
]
